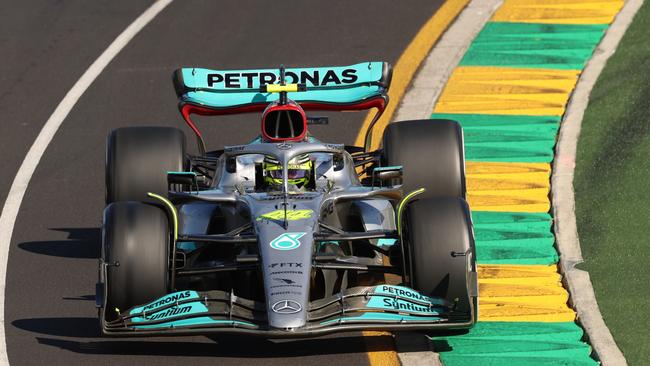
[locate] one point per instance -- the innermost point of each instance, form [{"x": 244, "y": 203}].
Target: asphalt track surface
[{"x": 45, "y": 47}]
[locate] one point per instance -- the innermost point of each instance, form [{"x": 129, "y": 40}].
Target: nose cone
[
  {"x": 288, "y": 314},
  {"x": 286, "y": 255},
  {"x": 286, "y": 244}
]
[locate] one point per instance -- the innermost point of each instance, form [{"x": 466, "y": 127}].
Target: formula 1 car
[{"x": 286, "y": 236}]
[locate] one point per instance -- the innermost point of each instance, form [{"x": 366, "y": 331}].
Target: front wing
[{"x": 382, "y": 307}]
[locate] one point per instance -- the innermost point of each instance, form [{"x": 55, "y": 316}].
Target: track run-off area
[{"x": 509, "y": 93}]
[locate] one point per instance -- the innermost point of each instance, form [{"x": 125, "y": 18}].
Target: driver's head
[{"x": 298, "y": 172}]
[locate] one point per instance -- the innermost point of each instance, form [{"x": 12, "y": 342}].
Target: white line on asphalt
[{"x": 33, "y": 157}]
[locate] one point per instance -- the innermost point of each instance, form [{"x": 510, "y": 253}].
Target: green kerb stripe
[
  {"x": 526, "y": 45},
  {"x": 514, "y": 343},
  {"x": 503, "y": 138},
  {"x": 514, "y": 238}
]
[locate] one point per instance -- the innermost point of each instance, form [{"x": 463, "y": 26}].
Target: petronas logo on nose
[{"x": 287, "y": 241}]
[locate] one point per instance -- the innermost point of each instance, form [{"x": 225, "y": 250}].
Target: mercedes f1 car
[{"x": 286, "y": 236}]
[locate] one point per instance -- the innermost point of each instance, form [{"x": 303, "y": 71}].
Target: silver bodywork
[{"x": 286, "y": 284}]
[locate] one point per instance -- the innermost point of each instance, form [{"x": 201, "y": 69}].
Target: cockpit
[{"x": 307, "y": 172}]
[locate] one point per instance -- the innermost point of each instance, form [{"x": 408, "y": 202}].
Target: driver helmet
[{"x": 299, "y": 171}]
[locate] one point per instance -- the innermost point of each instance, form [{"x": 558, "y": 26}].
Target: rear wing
[{"x": 343, "y": 88}]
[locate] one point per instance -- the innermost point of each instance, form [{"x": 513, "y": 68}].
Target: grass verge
[{"x": 612, "y": 190}]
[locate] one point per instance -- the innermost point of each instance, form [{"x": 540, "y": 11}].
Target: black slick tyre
[
  {"x": 441, "y": 252},
  {"x": 432, "y": 155},
  {"x": 135, "y": 245},
  {"x": 138, "y": 159}
]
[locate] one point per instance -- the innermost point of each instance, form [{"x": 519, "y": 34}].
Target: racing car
[{"x": 286, "y": 236}]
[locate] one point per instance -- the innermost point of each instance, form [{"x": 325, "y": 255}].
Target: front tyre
[
  {"x": 441, "y": 252},
  {"x": 135, "y": 246}
]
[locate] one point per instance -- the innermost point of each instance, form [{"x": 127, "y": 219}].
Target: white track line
[{"x": 33, "y": 157}]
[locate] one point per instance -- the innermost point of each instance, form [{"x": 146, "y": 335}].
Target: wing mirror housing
[
  {"x": 387, "y": 175},
  {"x": 317, "y": 120},
  {"x": 178, "y": 180}
]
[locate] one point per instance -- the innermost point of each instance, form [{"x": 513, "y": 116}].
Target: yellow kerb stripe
[
  {"x": 380, "y": 349},
  {"x": 503, "y": 90},
  {"x": 522, "y": 293},
  {"x": 508, "y": 187},
  {"x": 408, "y": 64},
  {"x": 558, "y": 11}
]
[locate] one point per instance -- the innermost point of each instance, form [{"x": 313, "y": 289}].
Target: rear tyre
[
  {"x": 138, "y": 159},
  {"x": 432, "y": 154},
  {"x": 136, "y": 243},
  {"x": 442, "y": 259}
]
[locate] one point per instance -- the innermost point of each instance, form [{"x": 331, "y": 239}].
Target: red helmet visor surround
[{"x": 286, "y": 122}]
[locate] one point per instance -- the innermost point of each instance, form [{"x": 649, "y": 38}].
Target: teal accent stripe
[
  {"x": 204, "y": 320},
  {"x": 514, "y": 343},
  {"x": 528, "y": 45},
  {"x": 369, "y": 317},
  {"x": 181, "y": 173},
  {"x": 514, "y": 238},
  {"x": 187, "y": 246},
  {"x": 503, "y": 138},
  {"x": 384, "y": 168},
  {"x": 386, "y": 242}
]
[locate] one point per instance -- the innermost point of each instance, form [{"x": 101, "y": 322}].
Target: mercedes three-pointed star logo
[{"x": 286, "y": 307}]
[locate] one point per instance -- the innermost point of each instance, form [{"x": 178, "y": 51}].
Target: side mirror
[
  {"x": 388, "y": 175},
  {"x": 317, "y": 120},
  {"x": 231, "y": 164},
  {"x": 177, "y": 180}
]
